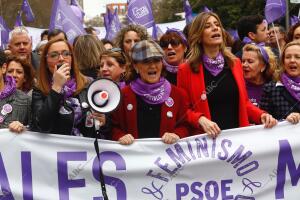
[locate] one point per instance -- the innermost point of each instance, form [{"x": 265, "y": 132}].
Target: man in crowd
[
  {"x": 280, "y": 33},
  {"x": 20, "y": 45},
  {"x": 252, "y": 29}
]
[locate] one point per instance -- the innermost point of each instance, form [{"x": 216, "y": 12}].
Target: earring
[
  {"x": 262, "y": 70},
  {"x": 137, "y": 71}
]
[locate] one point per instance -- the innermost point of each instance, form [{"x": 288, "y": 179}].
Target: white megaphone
[{"x": 103, "y": 95}]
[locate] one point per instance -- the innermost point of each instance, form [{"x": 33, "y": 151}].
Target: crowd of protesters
[{"x": 192, "y": 82}]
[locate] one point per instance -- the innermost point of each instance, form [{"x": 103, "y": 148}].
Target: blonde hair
[
  {"x": 281, "y": 69},
  {"x": 195, "y": 36},
  {"x": 271, "y": 66}
]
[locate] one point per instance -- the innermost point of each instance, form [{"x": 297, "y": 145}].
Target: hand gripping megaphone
[{"x": 103, "y": 95}]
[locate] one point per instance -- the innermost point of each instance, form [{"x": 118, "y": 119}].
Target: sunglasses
[{"x": 165, "y": 43}]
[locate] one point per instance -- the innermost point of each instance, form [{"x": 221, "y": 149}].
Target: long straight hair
[
  {"x": 45, "y": 76},
  {"x": 195, "y": 40}
]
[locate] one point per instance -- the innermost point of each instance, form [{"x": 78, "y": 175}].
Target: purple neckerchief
[
  {"x": 170, "y": 68},
  {"x": 214, "y": 66},
  {"x": 69, "y": 88},
  {"x": 122, "y": 84},
  {"x": 155, "y": 93},
  {"x": 254, "y": 92},
  {"x": 261, "y": 46},
  {"x": 9, "y": 87},
  {"x": 180, "y": 34},
  {"x": 292, "y": 84}
]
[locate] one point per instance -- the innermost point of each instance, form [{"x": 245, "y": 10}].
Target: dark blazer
[
  {"x": 278, "y": 101},
  {"x": 194, "y": 85},
  {"x": 21, "y": 108},
  {"x": 124, "y": 119}
]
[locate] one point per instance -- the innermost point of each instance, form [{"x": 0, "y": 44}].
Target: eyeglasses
[
  {"x": 165, "y": 43},
  {"x": 55, "y": 55}
]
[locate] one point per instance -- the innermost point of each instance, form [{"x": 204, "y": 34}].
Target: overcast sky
[{"x": 96, "y": 7}]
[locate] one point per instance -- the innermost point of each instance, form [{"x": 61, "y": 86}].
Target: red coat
[
  {"x": 194, "y": 85},
  {"x": 124, "y": 119}
]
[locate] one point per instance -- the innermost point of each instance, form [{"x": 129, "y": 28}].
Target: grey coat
[{"x": 21, "y": 108}]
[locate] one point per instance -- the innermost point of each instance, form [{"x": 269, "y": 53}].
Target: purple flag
[
  {"x": 19, "y": 21},
  {"x": 234, "y": 34},
  {"x": 274, "y": 10},
  {"x": 114, "y": 27},
  {"x": 206, "y": 9},
  {"x": 294, "y": 20},
  {"x": 77, "y": 9},
  {"x": 140, "y": 12},
  {"x": 107, "y": 17},
  {"x": 4, "y": 33},
  {"x": 156, "y": 32},
  {"x": 188, "y": 11},
  {"x": 27, "y": 10},
  {"x": 62, "y": 17}
]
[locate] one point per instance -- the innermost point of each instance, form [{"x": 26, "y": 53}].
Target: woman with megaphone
[
  {"x": 151, "y": 107},
  {"x": 60, "y": 95}
]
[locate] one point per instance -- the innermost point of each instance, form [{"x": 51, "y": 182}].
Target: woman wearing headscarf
[
  {"x": 175, "y": 46},
  {"x": 259, "y": 64}
]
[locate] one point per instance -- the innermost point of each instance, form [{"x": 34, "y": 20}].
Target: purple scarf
[
  {"x": 214, "y": 66},
  {"x": 170, "y": 68},
  {"x": 69, "y": 88},
  {"x": 155, "y": 93},
  {"x": 292, "y": 84},
  {"x": 9, "y": 87}
]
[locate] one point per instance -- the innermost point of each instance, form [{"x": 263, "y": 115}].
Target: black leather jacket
[{"x": 48, "y": 118}]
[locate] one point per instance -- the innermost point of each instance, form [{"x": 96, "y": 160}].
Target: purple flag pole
[
  {"x": 140, "y": 12},
  {"x": 19, "y": 19},
  {"x": 62, "y": 17},
  {"x": 4, "y": 33},
  {"x": 188, "y": 11},
  {"x": 28, "y": 11},
  {"x": 156, "y": 32},
  {"x": 206, "y": 9}
]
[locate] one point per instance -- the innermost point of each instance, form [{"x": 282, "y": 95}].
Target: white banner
[
  {"x": 247, "y": 163},
  {"x": 295, "y": 1}
]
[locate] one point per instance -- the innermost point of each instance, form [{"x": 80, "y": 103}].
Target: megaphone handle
[{"x": 98, "y": 125}]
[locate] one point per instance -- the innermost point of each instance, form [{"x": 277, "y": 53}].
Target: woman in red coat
[
  {"x": 213, "y": 79},
  {"x": 151, "y": 107}
]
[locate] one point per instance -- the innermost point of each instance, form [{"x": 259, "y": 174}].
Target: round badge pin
[
  {"x": 7, "y": 108},
  {"x": 169, "y": 114},
  {"x": 203, "y": 96},
  {"x": 1, "y": 119},
  {"x": 129, "y": 106},
  {"x": 169, "y": 102}
]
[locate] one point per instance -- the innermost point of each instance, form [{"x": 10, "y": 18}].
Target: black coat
[
  {"x": 277, "y": 101},
  {"x": 48, "y": 118}
]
